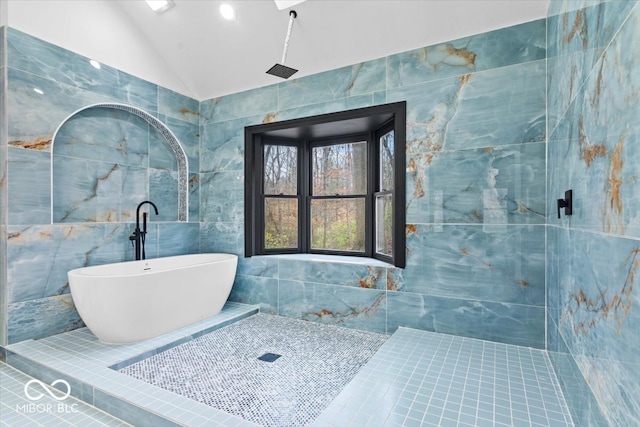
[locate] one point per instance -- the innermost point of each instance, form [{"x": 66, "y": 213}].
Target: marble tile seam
[
  {"x": 470, "y": 72},
  {"x": 494, "y": 147},
  {"x": 283, "y": 108},
  {"x": 417, "y": 332},
  {"x": 592, "y": 232}
]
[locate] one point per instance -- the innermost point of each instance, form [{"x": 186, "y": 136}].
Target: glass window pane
[
  {"x": 386, "y": 161},
  {"x": 338, "y": 224},
  {"x": 339, "y": 169},
  {"x": 280, "y": 169},
  {"x": 384, "y": 224},
  {"x": 280, "y": 223}
]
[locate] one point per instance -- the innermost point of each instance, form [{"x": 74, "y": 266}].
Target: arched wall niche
[{"x": 103, "y": 175}]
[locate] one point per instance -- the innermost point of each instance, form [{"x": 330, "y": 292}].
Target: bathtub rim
[{"x": 84, "y": 271}]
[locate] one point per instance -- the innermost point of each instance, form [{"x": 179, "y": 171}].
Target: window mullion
[
  {"x": 372, "y": 186},
  {"x": 304, "y": 177}
]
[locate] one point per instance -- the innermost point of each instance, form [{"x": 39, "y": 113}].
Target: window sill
[{"x": 331, "y": 258}]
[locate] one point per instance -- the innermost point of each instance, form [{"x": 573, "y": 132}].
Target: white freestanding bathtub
[{"x": 132, "y": 301}]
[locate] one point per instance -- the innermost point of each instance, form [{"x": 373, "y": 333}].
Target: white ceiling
[{"x": 193, "y": 50}]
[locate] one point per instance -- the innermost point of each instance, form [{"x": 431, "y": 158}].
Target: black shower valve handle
[
  {"x": 566, "y": 203},
  {"x": 561, "y": 204}
]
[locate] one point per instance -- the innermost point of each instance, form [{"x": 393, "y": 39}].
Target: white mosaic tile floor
[{"x": 222, "y": 369}]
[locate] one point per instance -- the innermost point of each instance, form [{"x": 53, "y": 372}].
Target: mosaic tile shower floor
[{"x": 222, "y": 369}]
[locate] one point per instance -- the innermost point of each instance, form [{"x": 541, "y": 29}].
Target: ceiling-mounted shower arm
[
  {"x": 281, "y": 70},
  {"x": 292, "y": 15}
]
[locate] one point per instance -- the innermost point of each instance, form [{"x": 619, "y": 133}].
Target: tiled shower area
[
  {"x": 215, "y": 373},
  {"x": 505, "y": 313}
]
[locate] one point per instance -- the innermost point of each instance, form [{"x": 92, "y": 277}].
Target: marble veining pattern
[
  {"x": 594, "y": 101},
  {"x": 577, "y": 40},
  {"x": 340, "y": 104},
  {"x": 96, "y": 191},
  {"x": 464, "y": 261},
  {"x": 582, "y": 404},
  {"x": 489, "y": 108},
  {"x": 493, "y": 49},
  {"x": 335, "y": 84},
  {"x": 503, "y": 185},
  {"x": 368, "y": 277},
  {"x": 364, "y": 309},
  {"x": 493, "y": 321},
  {"x": 104, "y": 134},
  {"x": 222, "y": 196},
  {"x": 38, "y": 256},
  {"x": 248, "y": 103},
  {"x": 177, "y": 106},
  {"x": 30, "y": 169},
  {"x": 225, "y": 143},
  {"x": 33, "y": 118},
  {"x": 597, "y": 320},
  {"x": 39, "y": 58}
]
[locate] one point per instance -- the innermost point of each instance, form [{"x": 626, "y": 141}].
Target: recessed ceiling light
[
  {"x": 227, "y": 11},
  {"x": 95, "y": 64},
  {"x": 38, "y": 91},
  {"x": 160, "y": 5}
]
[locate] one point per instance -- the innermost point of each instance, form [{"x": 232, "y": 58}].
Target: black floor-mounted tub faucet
[{"x": 139, "y": 236}]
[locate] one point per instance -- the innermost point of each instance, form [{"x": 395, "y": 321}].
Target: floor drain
[{"x": 269, "y": 357}]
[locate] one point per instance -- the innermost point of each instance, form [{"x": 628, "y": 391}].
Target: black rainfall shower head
[{"x": 281, "y": 70}]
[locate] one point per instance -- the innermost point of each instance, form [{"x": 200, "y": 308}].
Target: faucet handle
[{"x": 566, "y": 203}]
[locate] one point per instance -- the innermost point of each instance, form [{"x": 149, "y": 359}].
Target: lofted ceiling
[{"x": 193, "y": 50}]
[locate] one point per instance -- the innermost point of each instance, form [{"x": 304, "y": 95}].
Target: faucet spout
[{"x": 139, "y": 236}]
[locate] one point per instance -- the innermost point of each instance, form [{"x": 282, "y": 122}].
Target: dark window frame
[{"x": 327, "y": 129}]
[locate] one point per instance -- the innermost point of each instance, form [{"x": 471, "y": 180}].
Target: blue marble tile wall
[
  {"x": 593, "y": 255},
  {"x": 3, "y": 191},
  {"x": 103, "y": 163},
  {"x": 476, "y": 125}
]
